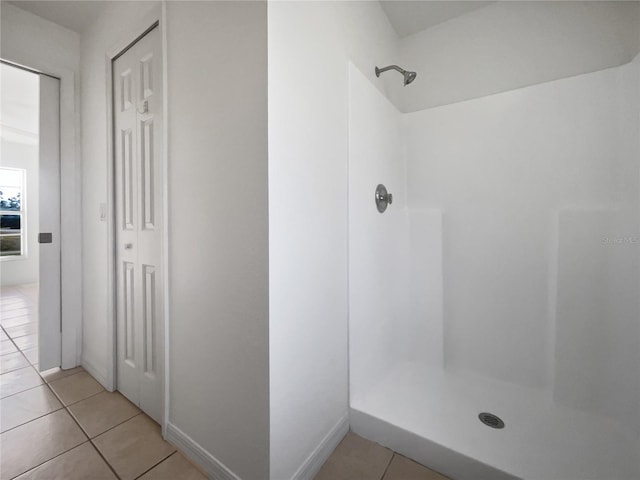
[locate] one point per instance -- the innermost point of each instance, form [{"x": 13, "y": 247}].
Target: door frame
[
  {"x": 70, "y": 200},
  {"x": 155, "y": 19}
]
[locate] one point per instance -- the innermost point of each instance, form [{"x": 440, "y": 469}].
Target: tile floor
[
  {"x": 356, "y": 458},
  {"x": 62, "y": 424}
]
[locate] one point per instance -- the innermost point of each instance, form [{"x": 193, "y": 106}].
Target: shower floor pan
[{"x": 432, "y": 417}]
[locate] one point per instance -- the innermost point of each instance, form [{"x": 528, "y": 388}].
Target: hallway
[{"x": 63, "y": 424}]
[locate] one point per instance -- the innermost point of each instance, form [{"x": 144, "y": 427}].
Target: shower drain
[{"x": 491, "y": 420}]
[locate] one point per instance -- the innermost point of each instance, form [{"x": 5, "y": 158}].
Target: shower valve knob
[{"x": 383, "y": 198}]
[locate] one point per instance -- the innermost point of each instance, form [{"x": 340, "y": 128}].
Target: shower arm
[
  {"x": 408, "y": 76},
  {"x": 390, "y": 67}
]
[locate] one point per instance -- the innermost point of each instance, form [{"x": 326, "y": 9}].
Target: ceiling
[
  {"x": 409, "y": 17},
  {"x": 74, "y": 15},
  {"x": 406, "y": 17}
]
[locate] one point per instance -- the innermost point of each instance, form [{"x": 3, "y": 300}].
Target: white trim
[
  {"x": 165, "y": 209},
  {"x": 156, "y": 17},
  {"x": 312, "y": 465},
  {"x": 110, "y": 217},
  {"x": 11, "y": 258},
  {"x": 71, "y": 229},
  {"x": 210, "y": 464}
]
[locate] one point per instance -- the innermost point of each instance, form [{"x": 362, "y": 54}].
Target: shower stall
[{"x": 503, "y": 279}]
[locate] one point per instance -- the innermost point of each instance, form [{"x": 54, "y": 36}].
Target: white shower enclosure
[{"x": 504, "y": 278}]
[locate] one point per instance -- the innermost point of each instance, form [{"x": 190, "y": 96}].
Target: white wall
[
  {"x": 32, "y": 41},
  {"x": 217, "y": 79},
  {"x": 310, "y": 45},
  {"x": 114, "y": 26},
  {"x": 24, "y": 270},
  {"x": 508, "y": 45},
  {"x": 530, "y": 182},
  {"x": 218, "y": 271}
]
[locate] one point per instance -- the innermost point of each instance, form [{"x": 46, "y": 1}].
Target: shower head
[{"x": 408, "y": 76}]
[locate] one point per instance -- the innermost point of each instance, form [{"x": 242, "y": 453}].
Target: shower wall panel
[
  {"x": 425, "y": 321},
  {"x": 597, "y": 348},
  {"x": 379, "y": 243},
  {"x": 506, "y": 170}
]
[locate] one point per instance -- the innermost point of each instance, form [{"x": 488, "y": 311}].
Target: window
[{"x": 12, "y": 214}]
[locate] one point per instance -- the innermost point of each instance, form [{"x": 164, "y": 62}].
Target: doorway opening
[{"x": 30, "y": 214}]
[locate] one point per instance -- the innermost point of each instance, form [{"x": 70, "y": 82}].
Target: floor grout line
[
  {"x": 13, "y": 318},
  {"x": 66, "y": 376},
  {"x": 18, "y": 368},
  {"x": 26, "y": 389},
  {"x": 7, "y": 320},
  {"x": 384, "y": 474},
  {"x": 18, "y": 301},
  {"x": 104, "y": 459},
  {"x": 154, "y": 466},
  {"x": 62, "y": 408},
  {"x": 20, "y": 336},
  {"x": 7, "y": 353},
  {"x": 18, "y": 325},
  {"x": 91, "y": 441},
  {"x": 85, "y": 398},
  {"x": 77, "y": 401},
  {"x": 42, "y": 463},
  {"x": 33, "y": 419},
  {"x": 66, "y": 408},
  {"x": 11, "y": 340},
  {"x": 396, "y": 454},
  {"x": 69, "y": 376},
  {"x": 9, "y": 312},
  {"x": 111, "y": 428}
]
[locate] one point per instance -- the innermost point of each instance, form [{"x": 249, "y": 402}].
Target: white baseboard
[
  {"x": 214, "y": 468},
  {"x": 312, "y": 465}
]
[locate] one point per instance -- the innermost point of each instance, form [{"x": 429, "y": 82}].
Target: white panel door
[
  {"x": 137, "y": 107},
  {"x": 49, "y": 332}
]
